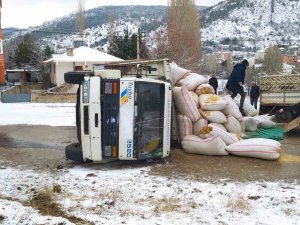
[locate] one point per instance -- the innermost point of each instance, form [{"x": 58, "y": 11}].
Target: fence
[
  {"x": 52, "y": 97},
  {"x": 13, "y": 92}
]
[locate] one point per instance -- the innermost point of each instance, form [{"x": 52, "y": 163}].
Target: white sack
[
  {"x": 264, "y": 121},
  {"x": 197, "y": 126},
  {"x": 184, "y": 126},
  {"x": 232, "y": 125},
  {"x": 214, "y": 116},
  {"x": 195, "y": 98},
  {"x": 227, "y": 137},
  {"x": 248, "y": 124},
  {"x": 248, "y": 108},
  {"x": 177, "y": 72},
  {"x": 221, "y": 126},
  {"x": 185, "y": 103},
  {"x": 232, "y": 108},
  {"x": 212, "y": 102},
  {"x": 206, "y": 132},
  {"x": 256, "y": 147},
  {"x": 191, "y": 81},
  {"x": 210, "y": 146},
  {"x": 204, "y": 89}
]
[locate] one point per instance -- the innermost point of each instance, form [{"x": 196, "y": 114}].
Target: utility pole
[
  {"x": 2, "y": 65},
  {"x": 138, "y": 44}
]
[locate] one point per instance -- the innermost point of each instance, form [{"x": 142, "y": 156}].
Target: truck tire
[
  {"x": 76, "y": 77},
  {"x": 74, "y": 153}
]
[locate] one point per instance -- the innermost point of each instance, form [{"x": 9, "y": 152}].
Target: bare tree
[
  {"x": 272, "y": 63},
  {"x": 160, "y": 49},
  {"x": 80, "y": 17},
  {"x": 210, "y": 64},
  {"x": 184, "y": 43},
  {"x": 229, "y": 67}
]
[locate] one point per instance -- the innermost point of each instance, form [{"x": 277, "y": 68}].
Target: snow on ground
[
  {"x": 97, "y": 195},
  {"x": 52, "y": 114},
  {"x": 132, "y": 196}
]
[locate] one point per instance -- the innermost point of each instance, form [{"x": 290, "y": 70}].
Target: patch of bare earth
[{"x": 44, "y": 203}]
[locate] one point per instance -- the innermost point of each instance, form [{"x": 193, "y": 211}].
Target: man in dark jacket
[
  {"x": 214, "y": 83},
  {"x": 236, "y": 80},
  {"x": 254, "y": 94},
  {"x": 287, "y": 114}
]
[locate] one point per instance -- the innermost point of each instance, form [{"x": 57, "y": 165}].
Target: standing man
[
  {"x": 254, "y": 94},
  {"x": 214, "y": 83},
  {"x": 236, "y": 80}
]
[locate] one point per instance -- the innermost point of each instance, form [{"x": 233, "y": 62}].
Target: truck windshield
[{"x": 149, "y": 119}]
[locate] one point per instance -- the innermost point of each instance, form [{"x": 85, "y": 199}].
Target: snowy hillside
[
  {"x": 246, "y": 22},
  {"x": 96, "y": 37},
  {"x": 253, "y": 20}
]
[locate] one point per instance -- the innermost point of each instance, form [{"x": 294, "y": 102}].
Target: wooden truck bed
[{"x": 290, "y": 125}]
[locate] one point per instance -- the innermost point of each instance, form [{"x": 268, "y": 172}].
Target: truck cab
[{"x": 123, "y": 112}]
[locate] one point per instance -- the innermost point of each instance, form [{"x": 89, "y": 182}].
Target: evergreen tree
[
  {"x": 47, "y": 52},
  {"x": 26, "y": 52},
  {"x": 272, "y": 63},
  {"x": 184, "y": 34},
  {"x": 124, "y": 45}
]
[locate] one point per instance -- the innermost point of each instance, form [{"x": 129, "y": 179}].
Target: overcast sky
[{"x": 25, "y": 13}]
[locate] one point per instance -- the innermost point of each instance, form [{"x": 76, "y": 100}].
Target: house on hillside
[
  {"x": 78, "y": 59},
  {"x": 294, "y": 50},
  {"x": 289, "y": 59}
]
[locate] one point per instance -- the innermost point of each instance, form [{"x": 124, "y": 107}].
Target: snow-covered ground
[
  {"x": 130, "y": 195},
  {"x": 52, "y": 114}
]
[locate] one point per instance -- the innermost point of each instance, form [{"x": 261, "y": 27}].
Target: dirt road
[{"x": 42, "y": 147}]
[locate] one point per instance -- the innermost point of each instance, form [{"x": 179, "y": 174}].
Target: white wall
[
  {"x": 52, "y": 74},
  {"x": 61, "y": 69}
]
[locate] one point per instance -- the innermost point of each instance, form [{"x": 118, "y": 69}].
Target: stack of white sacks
[{"x": 212, "y": 125}]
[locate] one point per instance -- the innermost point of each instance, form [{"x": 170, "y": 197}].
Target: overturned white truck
[{"x": 123, "y": 111}]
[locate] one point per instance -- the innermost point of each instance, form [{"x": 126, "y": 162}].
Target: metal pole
[{"x": 138, "y": 44}]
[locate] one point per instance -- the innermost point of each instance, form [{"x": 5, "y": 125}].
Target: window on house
[{"x": 78, "y": 68}]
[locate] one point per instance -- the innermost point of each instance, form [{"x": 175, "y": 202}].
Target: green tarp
[{"x": 275, "y": 133}]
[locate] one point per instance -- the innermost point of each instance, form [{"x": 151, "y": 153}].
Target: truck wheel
[
  {"x": 76, "y": 77},
  {"x": 74, "y": 153}
]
